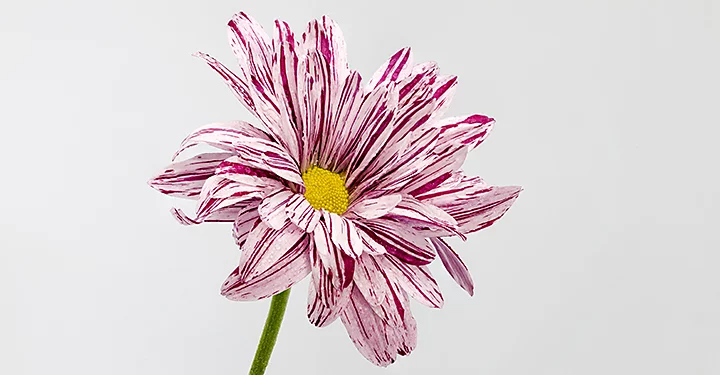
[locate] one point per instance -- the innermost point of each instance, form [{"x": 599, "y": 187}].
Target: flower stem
[{"x": 270, "y": 333}]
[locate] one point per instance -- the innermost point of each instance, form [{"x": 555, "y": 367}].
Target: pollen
[{"x": 325, "y": 189}]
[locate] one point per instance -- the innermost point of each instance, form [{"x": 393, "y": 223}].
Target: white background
[{"x": 607, "y": 115}]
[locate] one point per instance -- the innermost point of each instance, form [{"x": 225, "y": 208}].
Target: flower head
[{"x": 356, "y": 183}]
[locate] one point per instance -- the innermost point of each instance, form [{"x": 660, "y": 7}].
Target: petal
[
  {"x": 220, "y": 192},
  {"x": 272, "y": 208},
  {"x": 347, "y": 105},
  {"x": 246, "y": 220},
  {"x": 474, "y": 204},
  {"x": 238, "y": 84},
  {"x": 370, "y": 245},
  {"x": 400, "y": 241},
  {"x": 222, "y": 135},
  {"x": 285, "y": 72},
  {"x": 454, "y": 265},
  {"x": 416, "y": 213},
  {"x": 186, "y": 178},
  {"x": 344, "y": 234},
  {"x": 265, "y": 246},
  {"x": 373, "y": 208},
  {"x": 376, "y": 340},
  {"x": 302, "y": 214},
  {"x": 382, "y": 293},
  {"x": 319, "y": 313},
  {"x": 290, "y": 268},
  {"x": 396, "y": 68},
  {"x": 225, "y": 214},
  {"x": 337, "y": 262},
  {"x": 415, "y": 280}
]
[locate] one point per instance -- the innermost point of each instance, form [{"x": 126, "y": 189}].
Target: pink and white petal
[
  {"x": 468, "y": 131},
  {"x": 396, "y": 68},
  {"x": 318, "y": 90},
  {"x": 370, "y": 334},
  {"x": 347, "y": 105},
  {"x": 285, "y": 75},
  {"x": 238, "y": 84},
  {"x": 273, "y": 209},
  {"x": 185, "y": 178},
  {"x": 222, "y": 135},
  {"x": 417, "y": 281},
  {"x": 454, "y": 265},
  {"x": 400, "y": 241},
  {"x": 265, "y": 246},
  {"x": 417, "y": 213},
  {"x": 321, "y": 314},
  {"x": 340, "y": 265},
  {"x": 246, "y": 220},
  {"x": 408, "y": 335},
  {"x": 372, "y": 208},
  {"x": 371, "y": 246},
  {"x": 290, "y": 268},
  {"x": 324, "y": 35},
  {"x": 382, "y": 293},
  {"x": 302, "y": 214},
  {"x": 225, "y": 214},
  {"x": 218, "y": 194},
  {"x": 344, "y": 234}
]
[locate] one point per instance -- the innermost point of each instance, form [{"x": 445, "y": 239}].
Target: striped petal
[
  {"x": 401, "y": 242},
  {"x": 454, "y": 265},
  {"x": 222, "y": 135},
  {"x": 321, "y": 314},
  {"x": 302, "y": 214},
  {"x": 417, "y": 281},
  {"x": 371, "y": 246},
  {"x": 337, "y": 262},
  {"x": 396, "y": 68},
  {"x": 474, "y": 204},
  {"x": 285, "y": 75},
  {"x": 423, "y": 214},
  {"x": 344, "y": 234},
  {"x": 245, "y": 221},
  {"x": 291, "y": 267},
  {"x": 265, "y": 246},
  {"x": 238, "y": 84},
  {"x": 273, "y": 208},
  {"x": 185, "y": 178},
  {"x": 373, "y": 208},
  {"x": 376, "y": 340},
  {"x": 382, "y": 293}
]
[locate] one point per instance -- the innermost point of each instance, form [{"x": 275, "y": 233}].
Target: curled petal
[
  {"x": 344, "y": 234},
  {"x": 454, "y": 265},
  {"x": 340, "y": 265},
  {"x": 396, "y": 68},
  {"x": 186, "y": 178},
  {"x": 397, "y": 240}
]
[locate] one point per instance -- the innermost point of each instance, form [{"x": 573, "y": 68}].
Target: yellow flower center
[{"x": 325, "y": 189}]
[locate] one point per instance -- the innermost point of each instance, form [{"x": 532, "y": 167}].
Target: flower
[{"x": 354, "y": 183}]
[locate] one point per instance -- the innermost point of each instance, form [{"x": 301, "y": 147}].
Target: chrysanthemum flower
[{"x": 355, "y": 183}]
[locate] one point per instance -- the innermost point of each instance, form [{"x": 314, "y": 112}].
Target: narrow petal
[
  {"x": 401, "y": 242},
  {"x": 245, "y": 221},
  {"x": 417, "y": 281},
  {"x": 186, "y": 178},
  {"x": 373, "y": 208},
  {"x": 396, "y": 68},
  {"x": 424, "y": 214},
  {"x": 454, "y": 265},
  {"x": 348, "y": 103},
  {"x": 222, "y": 135},
  {"x": 290, "y": 268},
  {"x": 273, "y": 209},
  {"x": 238, "y": 84},
  {"x": 344, "y": 234},
  {"x": 371, "y": 246},
  {"x": 474, "y": 204},
  {"x": 265, "y": 246},
  {"x": 285, "y": 75},
  {"x": 302, "y": 214},
  {"x": 340, "y": 265},
  {"x": 220, "y": 192}
]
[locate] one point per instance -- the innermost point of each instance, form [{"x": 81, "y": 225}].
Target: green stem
[{"x": 270, "y": 333}]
